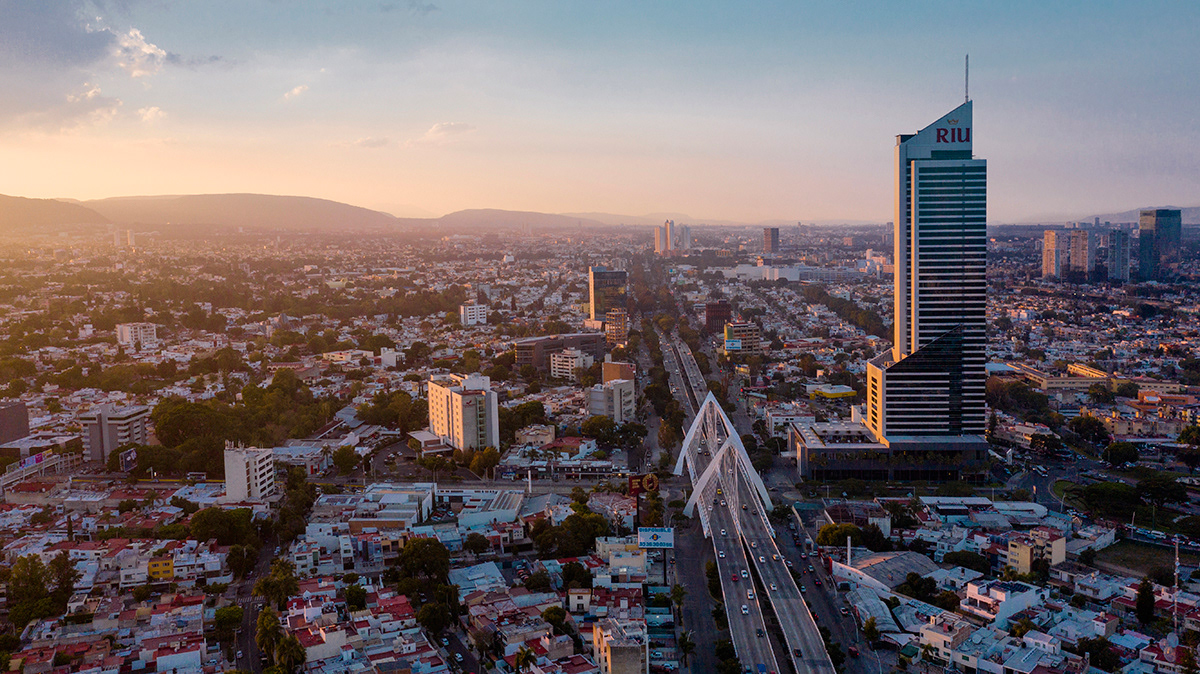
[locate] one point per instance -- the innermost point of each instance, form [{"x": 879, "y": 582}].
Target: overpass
[{"x": 733, "y": 506}]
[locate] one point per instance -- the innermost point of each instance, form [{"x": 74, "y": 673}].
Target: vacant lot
[{"x": 1131, "y": 556}]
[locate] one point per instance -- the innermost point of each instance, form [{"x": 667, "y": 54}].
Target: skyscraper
[
  {"x": 927, "y": 394},
  {"x": 1159, "y": 237},
  {"x": 1083, "y": 255},
  {"x": 606, "y": 290},
  {"x": 770, "y": 239},
  {"x": 1118, "y": 256},
  {"x": 1054, "y": 254}
]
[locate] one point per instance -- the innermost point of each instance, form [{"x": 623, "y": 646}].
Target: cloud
[
  {"x": 442, "y": 133},
  {"x": 137, "y": 56},
  {"x": 50, "y": 33},
  {"x": 296, "y": 91},
  {"x": 371, "y": 142},
  {"x": 151, "y": 114}
]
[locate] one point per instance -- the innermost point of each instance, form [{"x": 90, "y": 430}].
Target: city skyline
[{"x": 719, "y": 112}]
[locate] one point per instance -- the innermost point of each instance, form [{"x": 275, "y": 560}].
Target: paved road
[{"x": 695, "y": 552}]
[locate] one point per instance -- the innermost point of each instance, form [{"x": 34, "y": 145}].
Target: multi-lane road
[{"x": 755, "y": 577}]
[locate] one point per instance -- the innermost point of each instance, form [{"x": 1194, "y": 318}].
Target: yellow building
[
  {"x": 1040, "y": 543},
  {"x": 161, "y": 568}
]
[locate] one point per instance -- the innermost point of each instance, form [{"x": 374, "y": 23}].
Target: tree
[
  {"x": 425, "y": 558},
  {"x": 685, "y": 645},
  {"x": 538, "y": 582},
  {"x": 1161, "y": 489},
  {"x": 870, "y": 631},
  {"x": 874, "y": 540},
  {"x": 557, "y": 617},
  {"x": 1090, "y": 429},
  {"x": 677, "y": 595},
  {"x": 1111, "y": 498},
  {"x": 241, "y": 560},
  {"x": 484, "y": 461},
  {"x": 434, "y": 617},
  {"x": 1118, "y": 453},
  {"x": 525, "y": 659},
  {"x": 835, "y": 534},
  {"x": 346, "y": 459},
  {"x": 576, "y": 575},
  {"x": 279, "y": 584},
  {"x": 1145, "y": 602},
  {"x": 290, "y": 654},
  {"x": 969, "y": 560},
  {"x": 1187, "y": 660},
  {"x": 1043, "y": 443},
  {"x": 476, "y": 543},
  {"x": 268, "y": 632},
  {"x": 356, "y": 597},
  {"x": 1088, "y": 557},
  {"x": 1100, "y": 393},
  {"x": 918, "y": 587},
  {"x": 1190, "y": 436},
  {"x": 1128, "y": 390},
  {"x": 226, "y": 620},
  {"x": 64, "y": 575},
  {"x": 1100, "y": 653}
]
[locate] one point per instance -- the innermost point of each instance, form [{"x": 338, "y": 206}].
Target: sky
[{"x": 720, "y": 110}]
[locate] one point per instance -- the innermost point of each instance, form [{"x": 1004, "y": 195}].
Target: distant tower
[
  {"x": 1055, "y": 252},
  {"x": 1083, "y": 255},
  {"x": 1159, "y": 237},
  {"x": 770, "y": 240},
  {"x": 1118, "y": 256}
]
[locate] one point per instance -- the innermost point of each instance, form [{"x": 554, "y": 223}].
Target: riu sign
[{"x": 954, "y": 135}]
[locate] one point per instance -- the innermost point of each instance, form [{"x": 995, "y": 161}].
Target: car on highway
[
  {"x": 745, "y": 610},
  {"x": 845, "y": 611},
  {"x": 817, "y": 582},
  {"x": 750, "y": 595},
  {"x": 853, "y": 651},
  {"x": 789, "y": 563},
  {"x": 810, "y": 568},
  {"x": 754, "y": 544},
  {"x": 445, "y": 641},
  {"x": 734, "y": 577},
  {"x": 773, "y": 588},
  {"x": 458, "y": 657},
  {"x": 803, "y": 589},
  {"x": 760, "y": 633},
  {"x": 762, "y": 559},
  {"x": 775, "y": 557},
  {"x": 239, "y": 655},
  {"x": 721, "y": 554},
  {"x": 745, "y": 507},
  {"x": 745, "y": 573}
]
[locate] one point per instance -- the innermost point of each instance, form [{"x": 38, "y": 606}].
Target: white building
[
  {"x": 472, "y": 314},
  {"x": 137, "y": 334},
  {"x": 106, "y": 428},
  {"x": 616, "y": 399},
  {"x": 249, "y": 473},
  {"x": 564, "y": 363},
  {"x": 1056, "y": 250},
  {"x": 463, "y": 411},
  {"x": 997, "y": 600}
]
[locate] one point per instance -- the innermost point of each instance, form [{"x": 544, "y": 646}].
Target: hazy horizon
[{"x": 723, "y": 112}]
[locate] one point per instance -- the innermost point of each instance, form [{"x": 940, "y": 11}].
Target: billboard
[
  {"x": 733, "y": 345},
  {"x": 128, "y": 459},
  {"x": 656, "y": 537},
  {"x": 641, "y": 483}
]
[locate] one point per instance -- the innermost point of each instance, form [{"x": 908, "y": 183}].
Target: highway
[{"x": 743, "y": 539}]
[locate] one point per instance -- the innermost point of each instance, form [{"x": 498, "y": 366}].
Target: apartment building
[
  {"x": 249, "y": 473},
  {"x": 137, "y": 334},
  {"x": 565, "y": 363},
  {"x": 472, "y": 314},
  {"x": 615, "y": 399},
  {"x": 621, "y": 646},
  {"x": 106, "y": 428},
  {"x": 1041, "y": 544},
  {"x": 463, "y": 411}
]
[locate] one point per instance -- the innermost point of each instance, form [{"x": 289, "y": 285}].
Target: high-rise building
[
  {"x": 1118, "y": 256},
  {"x": 669, "y": 225},
  {"x": 770, "y": 240},
  {"x": 743, "y": 337},
  {"x": 1083, "y": 255},
  {"x": 566, "y": 363},
  {"x": 137, "y": 334},
  {"x": 536, "y": 351},
  {"x": 716, "y": 315},
  {"x": 1055, "y": 252},
  {"x": 616, "y": 327},
  {"x": 249, "y": 473},
  {"x": 463, "y": 411},
  {"x": 685, "y": 237},
  {"x": 660, "y": 240},
  {"x": 1160, "y": 234},
  {"x": 472, "y": 314},
  {"x": 927, "y": 394},
  {"x": 616, "y": 399},
  {"x": 106, "y": 428},
  {"x": 14, "y": 420},
  {"x": 606, "y": 290}
]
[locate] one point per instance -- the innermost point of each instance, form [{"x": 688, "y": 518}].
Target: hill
[
  {"x": 22, "y": 213},
  {"x": 256, "y": 211},
  {"x": 480, "y": 218}
]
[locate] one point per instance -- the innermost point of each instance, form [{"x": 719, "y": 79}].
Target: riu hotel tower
[{"x": 926, "y": 395}]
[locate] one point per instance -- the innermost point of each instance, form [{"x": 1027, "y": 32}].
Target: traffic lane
[
  {"x": 751, "y": 648},
  {"x": 469, "y": 662},
  {"x": 697, "y": 603}
]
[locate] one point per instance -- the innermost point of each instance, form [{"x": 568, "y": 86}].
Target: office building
[
  {"x": 606, "y": 290},
  {"x": 14, "y": 420},
  {"x": 1160, "y": 234},
  {"x": 1083, "y": 255},
  {"x": 472, "y": 314},
  {"x": 616, "y": 399},
  {"x": 463, "y": 411},
  {"x": 660, "y": 241},
  {"x": 716, "y": 315},
  {"x": 770, "y": 240},
  {"x": 615, "y": 369},
  {"x": 616, "y": 327},
  {"x": 566, "y": 363},
  {"x": 106, "y": 428},
  {"x": 137, "y": 334},
  {"x": 670, "y": 238},
  {"x": 249, "y": 473},
  {"x": 925, "y": 398},
  {"x": 685, "y": 238},
  {"x": 1118, "y": 256},
  {"x": 743, "y": 338},
  {"x": 1055, "y": 254},
  {"x": 620, "y": 646},
  {"x": 536, "y": 351}
]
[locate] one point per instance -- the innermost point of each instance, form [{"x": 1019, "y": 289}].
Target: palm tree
[
  {"x": 290, "y": 654},
  {"x": 525, "y": 659},
  {"x": 685, "y": 645},
  {"x": 269, "y": 632},
  {"x": 927, "y": 653}
]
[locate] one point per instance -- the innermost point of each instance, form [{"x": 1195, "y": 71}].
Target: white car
[
  {"x": 745, "y": 573},
  {"x": 721, "y": 554},
  {"x": 773, "y": 588},
  {"x": 745, "y": 610},
  {"x": 754, "y": 544},
  {"x": 723, "y": 533},
  {"x": 750, "y": 595}
]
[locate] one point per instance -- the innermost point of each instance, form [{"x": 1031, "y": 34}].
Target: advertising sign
[
  {"x": 642, "y": 483},
  {"x": 656, "y": 537},
  {"x": 733, "y": 345},
  {"x": 128, "y": 460}
]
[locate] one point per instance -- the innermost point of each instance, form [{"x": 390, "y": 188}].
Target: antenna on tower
[{"x": 967, "y": 81}]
